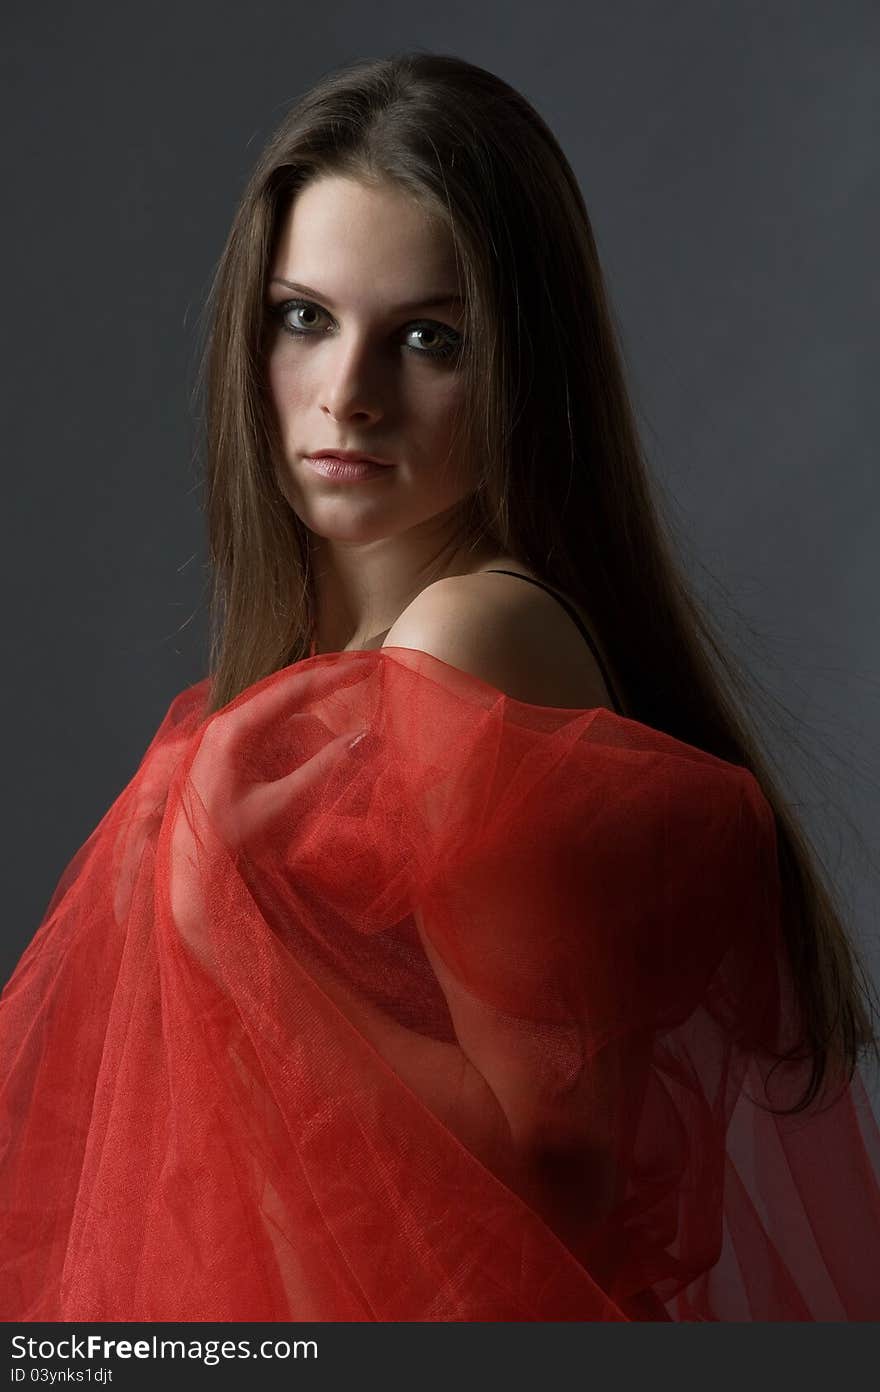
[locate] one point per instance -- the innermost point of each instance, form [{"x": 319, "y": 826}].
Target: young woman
[{"x": 452, "y": 953}]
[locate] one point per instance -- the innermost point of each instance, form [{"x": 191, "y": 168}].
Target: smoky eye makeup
[{"x": 447, "y": 341}]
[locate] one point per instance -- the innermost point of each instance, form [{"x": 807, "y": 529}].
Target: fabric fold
[{"x": 378, "y": 995}]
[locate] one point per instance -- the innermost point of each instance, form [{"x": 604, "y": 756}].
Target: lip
[
  {"x": 352, "y": 456},
  {"x": 346, "y": 468}
]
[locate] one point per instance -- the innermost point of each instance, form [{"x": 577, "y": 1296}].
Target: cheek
[
  {"x": 434, "y": 401},
  {"x": 287, "y": 388}
]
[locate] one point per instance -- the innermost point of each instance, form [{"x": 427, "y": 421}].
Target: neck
[{"x": 361, "y": 588}]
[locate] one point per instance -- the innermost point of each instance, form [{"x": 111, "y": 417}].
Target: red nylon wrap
[{"x": 378, "y": 995}]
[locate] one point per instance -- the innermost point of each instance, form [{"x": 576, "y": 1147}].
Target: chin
[{"x": 348, "y": 523}]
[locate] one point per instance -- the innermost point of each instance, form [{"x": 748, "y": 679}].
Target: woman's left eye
[{"x": 448, "y": 340}]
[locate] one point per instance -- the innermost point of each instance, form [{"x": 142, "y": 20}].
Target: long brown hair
[{"x": 563, "y": 484}]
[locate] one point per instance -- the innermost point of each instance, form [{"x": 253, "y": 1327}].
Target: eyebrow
[{"x": 441, "y": 297}]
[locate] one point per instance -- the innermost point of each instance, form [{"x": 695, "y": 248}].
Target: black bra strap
[{"x": 572, "y": 614}]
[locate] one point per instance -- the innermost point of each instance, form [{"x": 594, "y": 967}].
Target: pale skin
[{"x": 390, "y": 569}]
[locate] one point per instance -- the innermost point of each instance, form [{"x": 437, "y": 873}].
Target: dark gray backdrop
[{"x": 728, "y": 156}]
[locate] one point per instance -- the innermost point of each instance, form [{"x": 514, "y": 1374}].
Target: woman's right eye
[{"x": 281, "y": 311}]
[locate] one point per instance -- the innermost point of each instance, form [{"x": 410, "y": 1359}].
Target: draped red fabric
[{"x": 379, "y": 995}]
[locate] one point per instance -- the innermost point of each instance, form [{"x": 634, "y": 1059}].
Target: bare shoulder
[{"x": 508, "y": 633}]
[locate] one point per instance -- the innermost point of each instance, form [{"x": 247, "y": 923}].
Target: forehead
[{"x": 349, "y": 237}]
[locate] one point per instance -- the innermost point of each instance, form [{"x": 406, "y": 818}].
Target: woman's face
[{"x": 361, "y": 356}]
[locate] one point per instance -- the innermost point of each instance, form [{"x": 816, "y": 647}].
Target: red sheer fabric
[{"x": 378, "y": 995}]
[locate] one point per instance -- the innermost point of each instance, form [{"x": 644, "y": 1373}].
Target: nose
[{"x": 350, "y": 390}]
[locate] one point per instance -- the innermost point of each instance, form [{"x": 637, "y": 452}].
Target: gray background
[{"x": 728, "y": 156}]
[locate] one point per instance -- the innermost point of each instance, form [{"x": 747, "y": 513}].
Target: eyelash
[{"x": 280, "y": 311}]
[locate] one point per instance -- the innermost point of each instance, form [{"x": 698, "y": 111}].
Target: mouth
[{"x": 348, "y": 468}]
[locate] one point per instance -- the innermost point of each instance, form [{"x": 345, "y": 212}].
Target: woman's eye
[
  {"x": 300, "y": 317},
  {"x": 281, "y": 311},
  {"x": 438, "y": 344}
]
